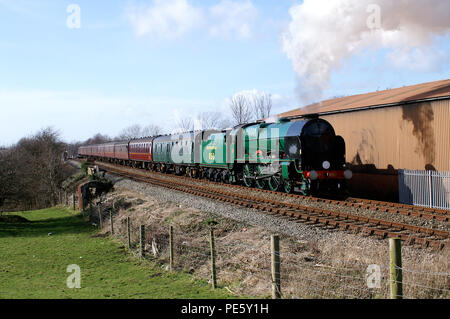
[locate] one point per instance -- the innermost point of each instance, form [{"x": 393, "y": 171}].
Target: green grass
[{"x": 33, "y": 264}]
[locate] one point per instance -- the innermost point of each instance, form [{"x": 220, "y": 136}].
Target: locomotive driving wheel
[
  {"x": 274, "y": 183},
  {"x": 247, "y": 181},
  {"x": 260, "y": 183},
  {"x": 288, "y": 186}
]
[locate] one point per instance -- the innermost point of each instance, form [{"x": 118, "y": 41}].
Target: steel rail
[{"x": 375, "y": 205}]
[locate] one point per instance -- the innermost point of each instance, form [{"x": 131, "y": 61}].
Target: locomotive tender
[{"x": 304, "y": 153}]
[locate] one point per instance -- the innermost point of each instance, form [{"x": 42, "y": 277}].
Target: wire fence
[{"x": 258, "y": 269}]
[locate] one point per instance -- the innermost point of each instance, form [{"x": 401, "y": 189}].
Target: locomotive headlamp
[
  {"x": 313, "y": 175},
  {"x": 348, "y": 174},
  {"x": 326, "y": 165}
]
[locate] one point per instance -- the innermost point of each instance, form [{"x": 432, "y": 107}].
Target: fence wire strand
[{"x": 250, "y": 267}]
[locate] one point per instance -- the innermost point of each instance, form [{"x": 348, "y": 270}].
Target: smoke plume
[{"x": 322, "y": 34}]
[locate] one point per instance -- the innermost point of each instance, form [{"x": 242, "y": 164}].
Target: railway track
[
  {"x": 411, "y": 234},
  {"x": 387, "y": 207}
]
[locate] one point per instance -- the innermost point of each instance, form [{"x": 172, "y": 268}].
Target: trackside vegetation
[{"x": 36, "y": 247}]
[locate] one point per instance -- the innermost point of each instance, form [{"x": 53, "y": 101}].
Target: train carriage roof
[
  {"x": 174, "y": 137},
  {"x": 142, "y": 140}
]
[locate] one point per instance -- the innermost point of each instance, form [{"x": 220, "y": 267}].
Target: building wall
[
  {"x": 381, "y": 141},
  {"x": 413, "y": 136}
]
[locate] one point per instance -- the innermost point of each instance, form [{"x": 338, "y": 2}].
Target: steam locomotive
[{"x": 302, "y": 155}]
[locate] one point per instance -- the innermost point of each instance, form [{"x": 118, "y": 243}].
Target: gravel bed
[
  {"x": 244, "y": 215},
  {"x": 416, "y": 221}
]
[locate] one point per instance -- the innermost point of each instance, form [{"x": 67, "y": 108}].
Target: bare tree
[
  {"x": 130, "y": 132},
  {"x": 211, "y": 120},
  {"x": 136, "y": 131},
  {"x": 31, "y": 172},
  {"x": 152, "y": 130},
  {"x": 225, "y": 123},
  {"x": 97, "y": 139},
  {"x": 185, "y": 124},
  {"x": 240, "y": 109},
  {"x": 7, "y": 176},
  {"x": 262, "y": 105}
]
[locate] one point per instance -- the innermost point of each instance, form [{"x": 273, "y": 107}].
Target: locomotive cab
[
  {"x": 321, "y": 148},
  {"x": 317, "y": 156}
]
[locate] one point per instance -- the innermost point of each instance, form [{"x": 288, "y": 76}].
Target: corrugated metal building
[{"x": 403, "y": 128}]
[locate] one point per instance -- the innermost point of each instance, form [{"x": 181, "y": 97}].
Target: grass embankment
[{"x": 33, "y": 263}]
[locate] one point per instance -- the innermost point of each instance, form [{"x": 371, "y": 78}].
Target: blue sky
[{"x": 124, "y": 66}]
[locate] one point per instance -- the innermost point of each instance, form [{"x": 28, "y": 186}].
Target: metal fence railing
[{"x": 424, "y": 188}]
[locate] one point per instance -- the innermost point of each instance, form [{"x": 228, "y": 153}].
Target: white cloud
[
  {"x": 172, "y": 19},
  {"x": 167, "y": 19},
  {"x": 233, "y": 19}
]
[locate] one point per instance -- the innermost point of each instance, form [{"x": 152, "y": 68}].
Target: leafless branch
[{"x": 240, "y": 109}]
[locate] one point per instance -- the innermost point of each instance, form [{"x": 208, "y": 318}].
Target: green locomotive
[{"x": 305, "y": 154}]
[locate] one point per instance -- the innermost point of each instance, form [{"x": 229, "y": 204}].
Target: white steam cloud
[{"x": 322, "y": 34}]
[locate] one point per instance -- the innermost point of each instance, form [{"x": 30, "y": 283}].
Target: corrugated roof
[{"x": 430, "y": 90}]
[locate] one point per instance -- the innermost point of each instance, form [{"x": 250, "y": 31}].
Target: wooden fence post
[
  {"x": 128, "y": 232},
  {"x": 213, "y": 258},
  {"x": 111, "y": 222},
  {"x": 395, "y": 248},
  {"x": 276, "y": 282},
  {"x": 142, "y": 240},
  {"x": 171, "y": 247}
]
